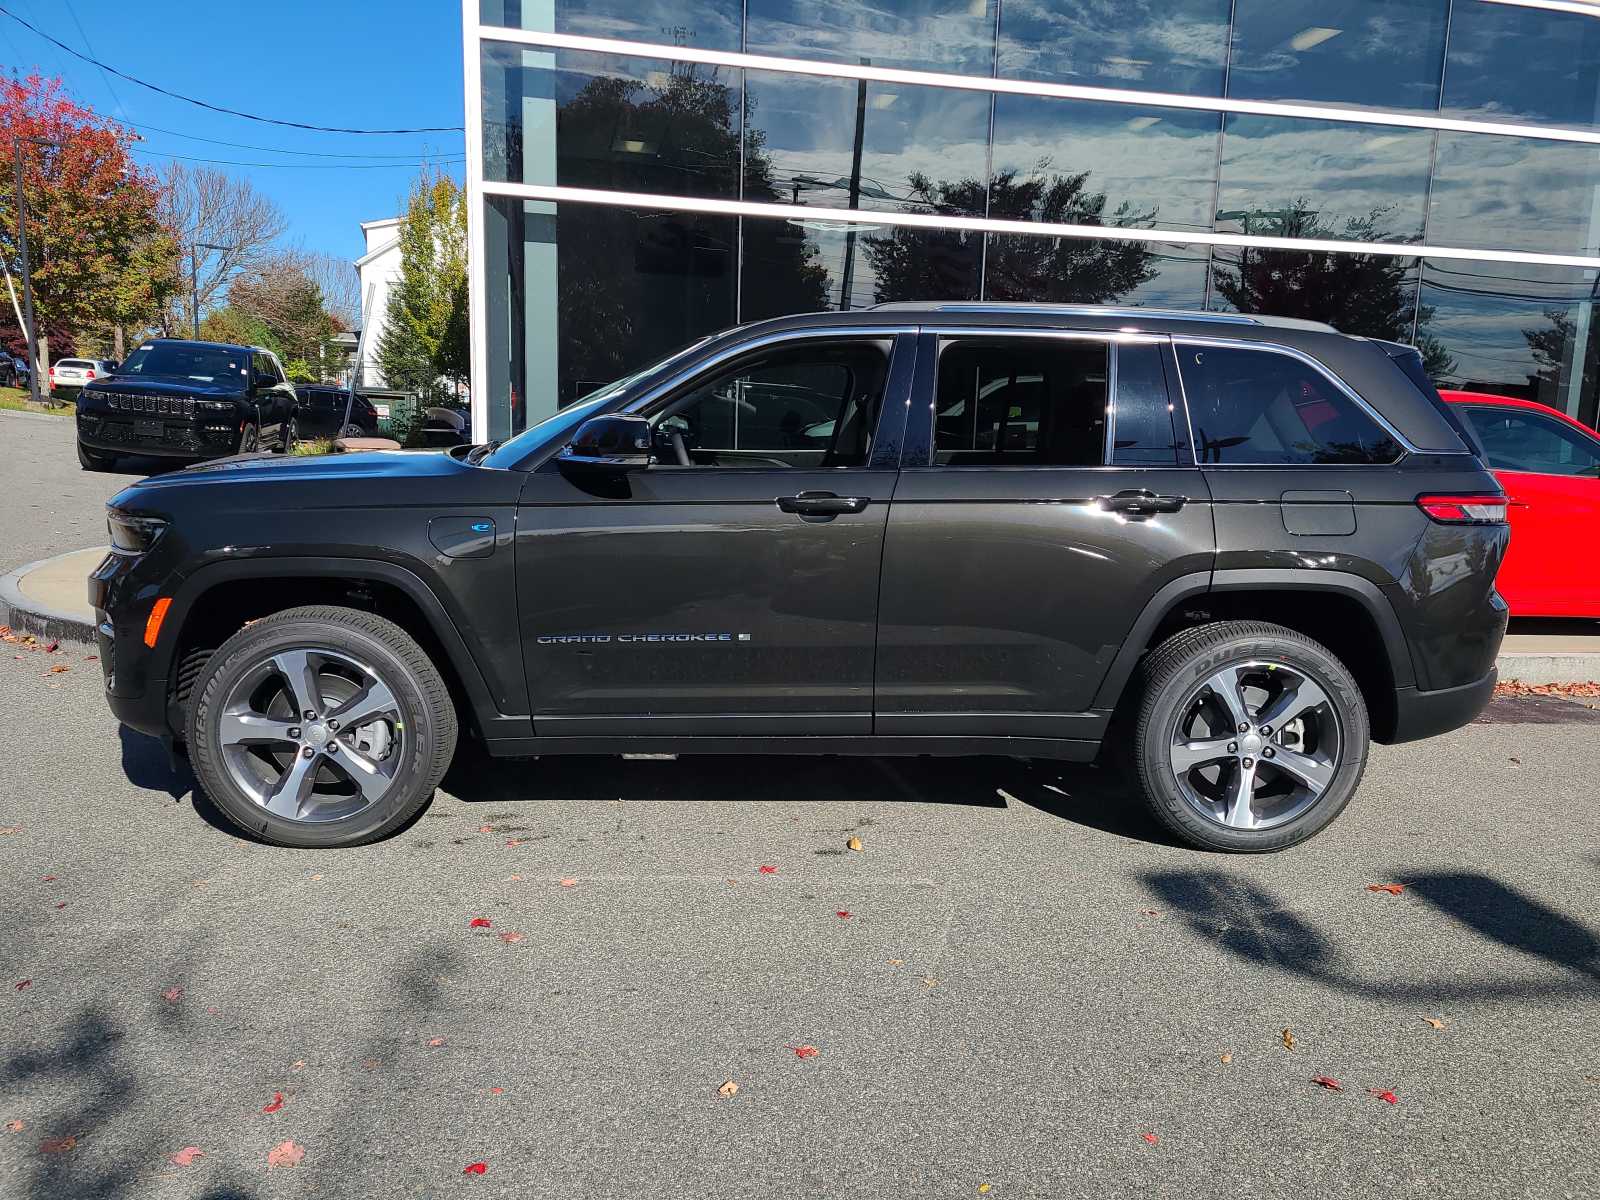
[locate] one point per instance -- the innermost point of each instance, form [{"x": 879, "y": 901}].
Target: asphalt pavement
[{"x": 1016, "y": 984}]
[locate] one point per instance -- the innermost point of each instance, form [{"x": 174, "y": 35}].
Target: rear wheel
[
  {"x": 91, "y": 461},
  {"x": 320, "y": 727},
  {"x": 1249, "y": 736}
]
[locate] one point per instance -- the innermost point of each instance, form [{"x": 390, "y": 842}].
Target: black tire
[
  {"x": 90, "y": 461},
  {"x": 1168, "y": 679},
  {"x": 249, "y": 439},
  {"x": 289, "y": 435},
  {"x": 427, "y": 714}
]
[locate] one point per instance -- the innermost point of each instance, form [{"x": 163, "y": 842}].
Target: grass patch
[
  {"x": 312, "y": 447},
  {"x": 16, "y": 400}
]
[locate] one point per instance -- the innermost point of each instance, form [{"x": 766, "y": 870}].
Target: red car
[{"x": 1549, "y": 465}]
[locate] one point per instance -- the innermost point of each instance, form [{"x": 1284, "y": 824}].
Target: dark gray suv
[{"x": 1233, "y": 550}]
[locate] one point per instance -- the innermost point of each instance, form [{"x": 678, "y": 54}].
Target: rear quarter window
[{"x": 1258, "y": 407}]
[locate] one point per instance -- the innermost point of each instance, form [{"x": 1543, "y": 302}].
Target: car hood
[
  {"x": 130, "y": 385},
  {"x": 261, "y": 468}
]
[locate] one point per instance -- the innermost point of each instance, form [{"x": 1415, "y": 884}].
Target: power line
[
  {"x": 89, "y": 46},
  {"x": 232, "y": 112},
  {"x": 193, "y": 137},
  {"x": 228, "y": 162}
]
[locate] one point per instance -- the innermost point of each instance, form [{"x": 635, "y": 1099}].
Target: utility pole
[
  {"x": 194, "y": 280},
  {"x": 847, "y": 277},
  {"x": 30, "y": 331}
]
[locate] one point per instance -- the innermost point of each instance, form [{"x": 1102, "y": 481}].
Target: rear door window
[
  {"x": 1260, "y": 407},
  {"x": 1022, "y": 401},
  {"x": 1516, "y": 440}
]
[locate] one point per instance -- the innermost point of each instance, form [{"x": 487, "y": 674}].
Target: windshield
[
  {"x": 561, "y": 423},
  {"x": 203, "y": 364}
]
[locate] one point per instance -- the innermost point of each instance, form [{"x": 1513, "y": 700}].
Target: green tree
[
  {"x": 424, "y": 346},
  {"x": 278, "y": 306}
]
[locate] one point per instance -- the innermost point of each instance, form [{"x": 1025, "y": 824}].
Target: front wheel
[
  {"x": 1249, "y": 737},
  {"x": 249, "y": 439},
  {"x": 291, "y": 435},
  {"x": 320, "y": 727}
]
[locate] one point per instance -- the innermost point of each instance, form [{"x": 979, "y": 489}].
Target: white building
[{"x": 378, "y": 269}]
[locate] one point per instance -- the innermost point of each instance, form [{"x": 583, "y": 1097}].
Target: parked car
[
  {"x": 321, "y": 413},
  {"x": 191, "y": 400},
  {"x": 1549, "y": 466},
  {"x": 68, "y": 376},
  {"x": 443, "y": 427},
  {"x": 23, "y": 372},
  {"x": 1230, "y": 551},
  {"x": 12, "y": 371}
]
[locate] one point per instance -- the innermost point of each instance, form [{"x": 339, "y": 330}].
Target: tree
[
  {"x": 203, "y": 205},
  {"x": 279, "y": 306},
  {"x": 424, "y": 344},
  {"x": 1552, "y": 348},
  {"x": 100, "y": 253}
]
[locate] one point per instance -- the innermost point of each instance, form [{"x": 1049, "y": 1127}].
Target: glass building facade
[{"x": 643, "y": 172}]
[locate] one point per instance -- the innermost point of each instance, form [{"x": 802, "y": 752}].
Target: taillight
[
  {"x": 1465, "y": 510},
  {"x": 89, "y": 374}
]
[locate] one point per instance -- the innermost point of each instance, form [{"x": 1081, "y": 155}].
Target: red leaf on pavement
[
  {"x": 515, "y": 841},
  {"x": 496, "y": 1091},
  {"x": 57, "y": 1145},
  {"x": 286, "y": 1154},
  {"x": 172, "y": 995},
  {"x": 1150, "y": 1137},
  {"x": 843, "y": 915},
  {"x": 24, "y": 984},
  {"x": 435, "y": 1043},
  {"x": 805, "y": 1051},
  {"x": 569, "y": 883},
  {"x": 485, "y": 828},
  {"x": 15, "y": 1126},
  {"x": 767, "y": 870},
  {"x": 512, "y": 938},
  {"x": 277, "y": 1103},
  {"x": 52, "y": 647},
  {"x": 475, "y": 1168},
  {"x": 63, "y": 904},
  {"x": 186, "y": 1156},
  {"x": 1333, "y": 1085},
  {"x": 1394, "y": 889},
  {"x": 48, "y": 878},
  {"x": 479, "y": 923},
  {"x": 59, "y": 669},
  {"x": 1386, "y": 1096}
]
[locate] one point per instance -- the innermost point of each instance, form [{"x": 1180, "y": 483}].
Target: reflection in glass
[
  {"x": 578, "y": 299},
  {"x": 921, "y": 35},
  {"x": 1506, "y": 193},
  {"x": 1058, "y": 270},
  {"x": 1339, "y": 51},
  {"x": 592, "y": 120},
  {"x": 704, "y": 24},
  {"x": 1348, "y": 181},
  {"x": 1517, "y": 330},
  {"x": 1522, "y": 64},
  {"x": 1135, "y": 167},
  {"x": 1156, "y": 45},
  {"x": 840, "y": 143}
]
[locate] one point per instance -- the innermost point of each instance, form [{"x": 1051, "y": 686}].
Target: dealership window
[
  {"x": 1505, "y": 193},
  {"x": 1529, "y": 441},
  {"x": 1509, "y": 63},
  {"x": 920, "y": 35},
  {"x": 1366, "y": 295},
  {"x": 1033, "y": 402},
  {"x": 810, "y": 406},
  {"x": 1156, "y": 45},
  {"x": 1264, "y": 408},
  {"x": 704, "y": 24}
]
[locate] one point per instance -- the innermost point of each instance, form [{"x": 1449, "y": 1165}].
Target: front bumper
[
  {"x": 177, "y": 438},
  {"x": 1421, "y": 714},
  {"x": 135, "y": 678}
]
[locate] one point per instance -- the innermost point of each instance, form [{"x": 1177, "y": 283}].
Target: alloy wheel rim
[
  {"x": 312, "y": 735},
  {"x": 247, "y": 442},
  {"x": 1255, "y": 745}
]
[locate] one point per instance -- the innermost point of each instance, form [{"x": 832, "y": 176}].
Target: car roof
[
  {"x": 1137, "y": 313},
  {"x": 1493, "y": 400},
  {"x": 197, "y": 344}
]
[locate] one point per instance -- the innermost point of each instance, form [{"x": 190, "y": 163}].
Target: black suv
[
  {"x": 1233, "y": 549},
  {"x": 322, "y": 410},
  {"x": 191, "y": 400}
]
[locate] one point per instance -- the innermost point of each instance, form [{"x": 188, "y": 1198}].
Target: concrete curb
[
  {"x": 27, "y": 615},
  {"x": 1557, "y": 667}
]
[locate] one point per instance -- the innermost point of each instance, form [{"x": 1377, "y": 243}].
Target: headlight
[{"x": 133, "y": 535}]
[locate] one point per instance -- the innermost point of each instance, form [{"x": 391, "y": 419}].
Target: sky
[{"x": 382, "y": 64}]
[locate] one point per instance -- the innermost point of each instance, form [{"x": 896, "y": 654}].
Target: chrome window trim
[{"x": 1178, "y": 340}]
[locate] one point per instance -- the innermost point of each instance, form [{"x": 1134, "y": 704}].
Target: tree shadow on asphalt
[{"x": 1244, "y": 919}]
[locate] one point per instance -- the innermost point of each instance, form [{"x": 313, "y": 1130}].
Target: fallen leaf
[
  {"x": 485, "y": 828},
  {"x": 297, "y": 1065},
  {"x": 1394, "y": 889},
  {"x": 766, "y": 869},
  {"x": 63, "y": 904},
  {"x": 1386, "y": 1096},
  {"x": 186, "y": 1156},
  {"x": 1150, "y": 1137},
  {"x": 52, "y": 647},
  {"x": 213, "y": 1011},
  {"x": 1149, "y": 912},
  {"x": 854, "y": 843},
  {"x": 805, "y": 1051},
  {"x": 15, "y": 1126},
  {"x": 728, "y": 1088},
  {"x": 436, "y": 1042},
  {"x": 475, "y": 1168},
  {"x": 286, "y": 1154},
  {"x": 1288, "y": 1039},
  {"x": 372, "y": 1064},
  {"x": 512, "y": 938},
  {"x": 1435, "y": 1022},
  {"x": 479, "y": 923},
  {"x": 24, "y": 984},
  {"x": 59, "y": 668},
  {"x": 314, "y": 878},
  {"x": 91, "y": 658},
  {"x": 930, "y": 981},
  {"x": 569, "y": 883},
  {"x": 172, "y": 995},
  {"x": 897, "y": 962},
  {"x": 48, "y": 878},
  {"x": 1322, "y": 1081},
  {"x": 1516, "y": 760},
  {"x": 496, "y": 1091},
  {"x": 515, "y": 841},
  {"x": 843, "y": 914},
  {"x": 1227, "y": 1057},
  {"x": 57, "y": 1145},
  {"x": 983, "y": 1189},
  {"x": 513, "y": 879},
  {"x": 277, "y": 1103},
  {"x": 8, "y": 830}
]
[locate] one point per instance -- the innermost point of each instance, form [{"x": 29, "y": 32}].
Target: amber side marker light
[
  {"x": 1464, "y": 510},
  {"x": 152, "y": 626}
]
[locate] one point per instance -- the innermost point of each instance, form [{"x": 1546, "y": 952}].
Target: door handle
[
  {"x": 1141, "y": 502},
  {"x": 822, "y": 504}
]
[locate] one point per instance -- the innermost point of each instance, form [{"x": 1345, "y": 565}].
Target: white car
[{"x": 70, "y": 374}]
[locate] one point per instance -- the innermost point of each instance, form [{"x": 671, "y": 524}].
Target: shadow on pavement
[
  {"x": 147, "y": 765},
  {"x": 1247, "y": 921}
]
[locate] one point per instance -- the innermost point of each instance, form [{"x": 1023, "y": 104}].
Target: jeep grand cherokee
[{"x": 1234, "y": 550}]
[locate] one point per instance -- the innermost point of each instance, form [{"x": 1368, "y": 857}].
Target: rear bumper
[{"x": 1421, "y": 714}]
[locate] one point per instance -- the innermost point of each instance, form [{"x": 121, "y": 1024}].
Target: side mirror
[{"x": 614, "y": 444}]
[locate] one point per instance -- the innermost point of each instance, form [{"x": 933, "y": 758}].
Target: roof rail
[{"x": 1073, "y": 310}]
